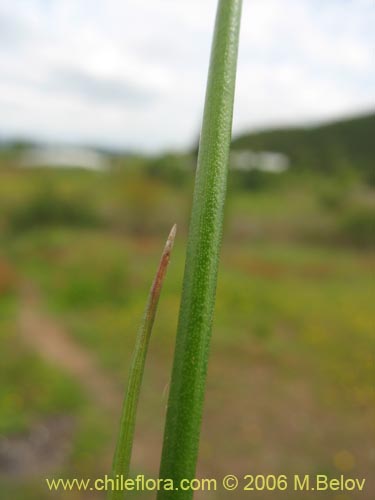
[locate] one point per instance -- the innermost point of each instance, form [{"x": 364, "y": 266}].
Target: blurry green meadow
[{"x": 290, "y": 382}]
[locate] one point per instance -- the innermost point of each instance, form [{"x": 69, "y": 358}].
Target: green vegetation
[
  {"x": 49, "y": 208},
  {"x": 333, "y": 147},
  {"x": 292, "y": 335},
  {"x": 290, "y": 379}
]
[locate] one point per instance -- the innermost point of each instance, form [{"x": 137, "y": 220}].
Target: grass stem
[{"x": 183, "y": 422}]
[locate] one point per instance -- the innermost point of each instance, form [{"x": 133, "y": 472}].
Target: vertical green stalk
[
  {"x": 121, "y": 460},
  {"x": 182, "y": 430}
]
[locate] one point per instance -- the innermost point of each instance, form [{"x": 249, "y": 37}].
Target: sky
[{"x": 131, "y": 74}]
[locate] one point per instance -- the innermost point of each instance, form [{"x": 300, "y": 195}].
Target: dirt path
[
  {"x": 49, "y": 339},
  {"x": 44, "y": 335},
  {"x": 45, "y": 446}
]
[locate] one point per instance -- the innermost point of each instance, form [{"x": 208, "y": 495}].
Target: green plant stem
[
  {"x": 121, "y": 460},
  {"x": 183, "y": 422}
]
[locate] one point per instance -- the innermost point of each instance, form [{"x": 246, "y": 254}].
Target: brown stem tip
[
  {"x": 170, "y": 239},
  {"x": 162, "y": 269}
]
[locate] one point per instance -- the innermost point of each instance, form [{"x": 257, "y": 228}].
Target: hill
[{"x": 331, "y": 146}]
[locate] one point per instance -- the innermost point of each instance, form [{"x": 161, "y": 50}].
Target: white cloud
[{"x": 132, "y": 73}]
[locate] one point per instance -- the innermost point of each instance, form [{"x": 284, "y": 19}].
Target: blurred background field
[
  {"x": 290, "y": 383},
  {"x": 100, "y": 106}
]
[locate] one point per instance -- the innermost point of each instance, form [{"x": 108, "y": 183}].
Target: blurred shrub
[
  {"x": 369, "y": 177},
  {"x": 254, "y": 180},
  {"x": 358, "y": 225},
  {"x": 145, "y": 206},
  {"x": 176, "y": 170},
  {"x": 332, "y": 197},
  {"x": 351, "y": 204},
  {"x": 48, "y": 208}
]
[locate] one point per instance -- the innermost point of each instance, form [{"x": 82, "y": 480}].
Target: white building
[
  {"x": 267, "y": 161},
  {"x": 64, "y": 157}
]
